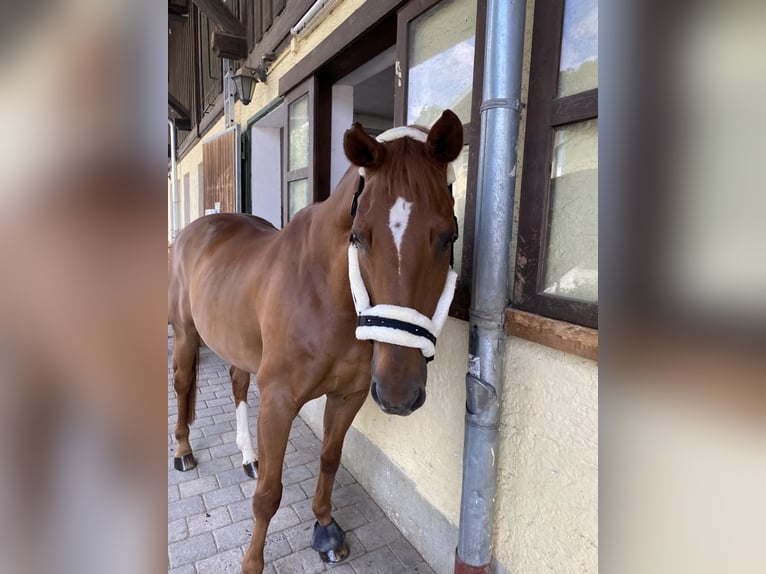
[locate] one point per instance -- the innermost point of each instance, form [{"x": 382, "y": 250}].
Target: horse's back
[{"x": 217, "y": 238}]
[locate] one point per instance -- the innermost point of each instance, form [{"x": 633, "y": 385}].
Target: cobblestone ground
[{"x": 209, "y": 507}]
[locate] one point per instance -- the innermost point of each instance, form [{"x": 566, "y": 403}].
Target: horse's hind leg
[
  {"x": 328, "y": 538},
  {"x": 240, "y": 383},
  {"x": 185, "y": 356}
]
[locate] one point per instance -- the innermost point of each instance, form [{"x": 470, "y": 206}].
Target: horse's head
[{"x": 402, "y": 235}]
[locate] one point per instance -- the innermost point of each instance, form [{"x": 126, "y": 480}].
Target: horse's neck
[{"x": 325, "y": 238}]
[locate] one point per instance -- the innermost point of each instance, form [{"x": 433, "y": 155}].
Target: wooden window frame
[
  {"x": 304, "y": 89},
  {"x": 545, "y": 112},
  {"x": 405, "y": 16}
]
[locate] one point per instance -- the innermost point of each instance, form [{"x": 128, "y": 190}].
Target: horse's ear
[
  {"x": 361, "y": 149},
  {"x": 445, "y": 140}
]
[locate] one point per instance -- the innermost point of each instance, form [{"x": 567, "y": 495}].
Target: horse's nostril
[
  {"x": 419, "y": 401},
  {"x": 374, "y": 392}
]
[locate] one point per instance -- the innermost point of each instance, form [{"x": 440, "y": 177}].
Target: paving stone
[
  {"x": 307, "y": 442},
  {"x": 186, "y": 569},
  {"x": 306, "y": 561},
  {"x": 294, "y": 475},
  {"x": 234, "y": 536},
  {"x": 209, "y": 520},
  {"x": 198, "y": 486},
  {"x": 421, "y": 568},
  {"x": 303, "y": 509},
  {"x": 370, "y": 510},
  {"x": 229, "y": 562},
  {"x": 284, "y": 518},
  {"x": 377, "y": 533},
  {"x": 276, "y": 547},
  {"x": 217, "y": 429},
  {"x": 241, "y": 510},
  {"x": 233, "y": 476},
  {"x": 173, "y": 493},
  {"x": 191, "y": 549},
  {"x": 381, "y": 561},
  {"x": 348, "y": 495},
  {"x": 299, "y": 536},
  {"x": 349, "y": 518},
  {"x": 299, "y": 457},
  {"x": 211, "y": 467},
  {"x": 219, "y": 402},
  {"x": 405, "y": 552},
  {"x": 309, "y": 485},
  {"x": 177, "y": 530},
  {"x": 225, "y": 449},
  {"x": 185, "y": 507},
  {"x": 222, "y": 496},
  {"x": 207, "y": 440},
  {"x": 177, "y": 477}
]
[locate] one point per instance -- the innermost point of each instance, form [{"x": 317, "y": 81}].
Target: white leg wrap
[{"x": 244, "y": 441}]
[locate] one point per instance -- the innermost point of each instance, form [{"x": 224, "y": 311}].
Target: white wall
[
  {"x": 342, "y": 116},
  {"x": 266, "y": 181}
]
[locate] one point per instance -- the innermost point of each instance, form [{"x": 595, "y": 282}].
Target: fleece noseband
[{"x": 394, "y": 324}]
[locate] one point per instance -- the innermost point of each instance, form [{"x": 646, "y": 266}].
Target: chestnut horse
[{"x": 299, "y": 306}]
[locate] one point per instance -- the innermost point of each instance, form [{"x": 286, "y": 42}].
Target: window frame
[
  {"x": 304, "y": 89},
  {"x": 405, "y": 15},
  {"x": 545, "y": 113}
]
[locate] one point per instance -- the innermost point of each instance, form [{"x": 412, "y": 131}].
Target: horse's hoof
[
  {"x": 329, "y": 542},
  {"x": 185, "y": 462},
  {"x": 335, "y": 556},
  {"x": 251, "y": 469}
]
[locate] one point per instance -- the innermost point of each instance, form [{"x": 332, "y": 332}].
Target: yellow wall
[{"x": 546, "y": 519}]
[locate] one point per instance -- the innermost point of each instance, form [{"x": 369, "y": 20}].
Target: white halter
[{"x": 391, "y": 323}]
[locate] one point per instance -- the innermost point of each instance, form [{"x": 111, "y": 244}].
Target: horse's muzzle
[{"x": 400, "y": 409}]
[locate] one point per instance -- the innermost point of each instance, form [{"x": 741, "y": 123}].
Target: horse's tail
[{"x": 191, "y": 401}]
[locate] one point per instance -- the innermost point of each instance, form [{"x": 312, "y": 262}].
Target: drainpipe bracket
[
  {"x": 479, "y": 394},
  {"x": 502, "y": 103}
]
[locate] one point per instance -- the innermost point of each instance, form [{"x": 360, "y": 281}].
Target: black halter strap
[{"x": 355, "y": 201}]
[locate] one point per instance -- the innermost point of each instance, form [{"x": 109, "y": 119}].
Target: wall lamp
[{"x": 245, "y": 79}]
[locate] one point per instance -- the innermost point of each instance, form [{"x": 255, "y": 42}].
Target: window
[
  {"x": 298, "y": 160},
  {"x": 439, "y": 61},
  {"x": 557, "y": 254}
]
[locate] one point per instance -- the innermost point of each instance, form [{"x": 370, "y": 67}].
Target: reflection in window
[
  {"x": 578, "y": 67},
  {"x": 299, "y": 134},
  {"x": 571, "y": 262},
  {"x": 441, "y": 49},
  {"x": 297, "y": 196}
]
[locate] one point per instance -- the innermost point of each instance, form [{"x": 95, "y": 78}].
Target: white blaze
[
  {"x": 398, "y": 219},
  {"x": 244, "y": 442}
]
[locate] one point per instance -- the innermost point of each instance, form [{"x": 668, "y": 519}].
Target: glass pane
[
  {"x": 571, "y": 262},
  {"x": 578, "y": 68},
  {"x": 298, "y": 196},
  {"x": 459, "y": 189},
  {"x": 299, "y": 134},
  {"x": 441, "y": 46}
]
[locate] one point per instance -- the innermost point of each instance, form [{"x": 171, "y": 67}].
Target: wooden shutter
[{"x": 221, "y": 170}]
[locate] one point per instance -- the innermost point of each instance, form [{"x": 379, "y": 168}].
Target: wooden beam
[
  {"x": 222, "y": 17},
  {"x": 566, "y": 337},
  {"x": 179, "y": 108},
  {"x": 229, "y": 46}
]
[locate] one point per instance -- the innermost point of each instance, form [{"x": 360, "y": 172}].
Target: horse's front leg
[
  {"x": 240, "y": 383},
  {"x": 328, "y": 538},
  {"x": 275, "y": 416}
]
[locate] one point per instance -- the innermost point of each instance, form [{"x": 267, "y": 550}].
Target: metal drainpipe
[
  {"x": 500, "y": 112},
  {"x": 173, "y": 175}
]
